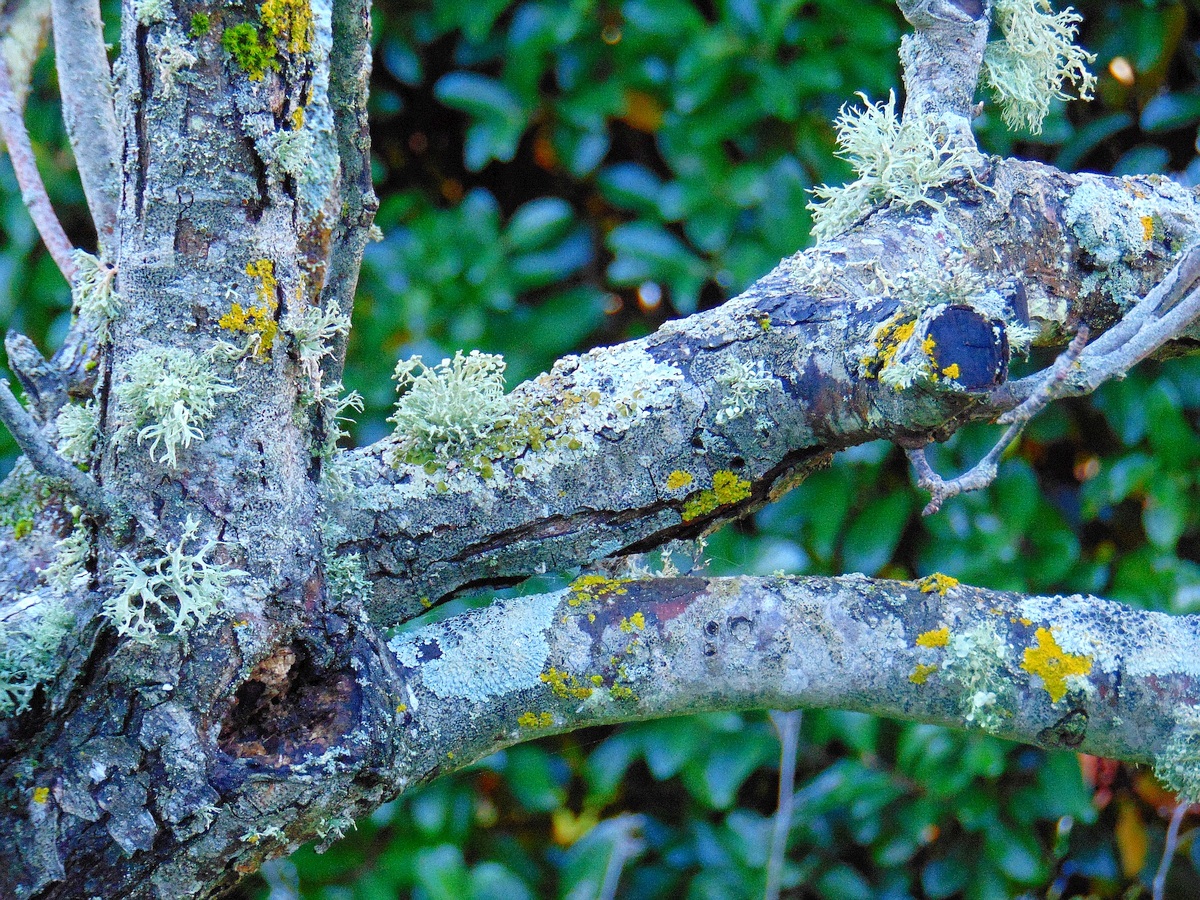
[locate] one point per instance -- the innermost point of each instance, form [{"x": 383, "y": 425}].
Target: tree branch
[
  {"x": 87, "y": 98},
  {"x": 714, "y": 415},
  {"x": 33, "y": 191},
  {"x": 1075, "y": 672}
]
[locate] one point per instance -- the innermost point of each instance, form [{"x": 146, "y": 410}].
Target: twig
[
  {"x": 86, "y": 81},
  {"x": 44, "y": 458},
  {"x": 33, "y": 191},
  {"x": 1160, "y": 877},
  {"x": 983, "y": 473},
  {"x": 626, "y": 844},
  {"x": 787, "y": 725}
]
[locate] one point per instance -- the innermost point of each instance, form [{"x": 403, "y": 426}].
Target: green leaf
[
  {"x": 872, "y": 537},
  {"x": 538, "y": 223}
]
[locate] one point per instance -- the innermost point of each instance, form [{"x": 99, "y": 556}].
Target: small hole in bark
[{"x": 289, "y": 709}]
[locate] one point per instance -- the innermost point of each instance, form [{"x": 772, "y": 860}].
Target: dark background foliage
[{"x": 556, "y": 174}]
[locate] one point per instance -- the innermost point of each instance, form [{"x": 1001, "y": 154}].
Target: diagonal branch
[
  {"x": 33, "y": 191},
  {"x": 87, "y": 98}
]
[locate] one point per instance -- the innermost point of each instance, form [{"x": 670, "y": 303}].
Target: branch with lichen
[{"x": 1073, "y": 672}]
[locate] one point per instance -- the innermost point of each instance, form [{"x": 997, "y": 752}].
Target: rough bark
[{"x": 170, "y": 767}]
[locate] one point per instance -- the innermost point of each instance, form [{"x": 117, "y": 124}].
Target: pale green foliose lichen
[
  {"x": 67, "y": 572},
  {"x": 77, "y": 424},
  {"x": 900, "y": 162},
  {"x": 1111, "y": 226},
  {"x": 151, "y": 12},
  {"x": 1034, "y": 61},
  {"x": 171, "y": 56},
  {"x": 447, "y": 411},
  {"x": 313, "y": 332},
  {"x": 975, "y": 660},
  {"x": 178, "y": 590},
  {"x": 169, "y": 393},
  {"x": 30, "y": 636}
]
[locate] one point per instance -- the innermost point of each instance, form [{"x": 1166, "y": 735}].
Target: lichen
[
  {"x": 1035, "y": 59},
  {"x": 564, "y": 685},
  {"x": 168, "y": 393},
  {"x": 289, "y": 22},
  {"x": 151, "y": 12},
  {"x": 899, "y": 162},
  {"x": 346, "y": 577},
  {"x": 727, "y": 488},
  {"x": 1055, "y": 667},
  {"x": 93, "y": 293},
  {"x": 448, "y": 411},
  {"x": 1108, "y": 224},
  {"x": 937, "y": 583},
  {"x": 67, "y": 571},
  {"x": 29, "y": 641},
  {"x": 171, "y": 55},
  {"x": 922, "y": 671},
  {"x": 743, "y": 383},
  {"x": 939, "y": 637},
  {"x": 313, "y": 333},
  {"x": 594, "y": 587},
  {"x": 77, "y": 425},
  {"x": 636, "y": 622},
  {"x": 1178, "y": 765},
  {"x": 257, "y": 320},
  {"x": 678, "y": 480},
  {"x": 252, "y": 54},
  {"x": 535, "y": 720},
  {"x": 178, "y": 590}
]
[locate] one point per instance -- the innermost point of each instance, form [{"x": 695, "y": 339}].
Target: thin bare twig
[
  {"x": 787, "y": 725},
  {"x": 33, "y": 191},
  {"x": 45, "y": 459},
  {"x": 983, "y": 472},
  {"x": 88, "y": 112},
  {"x": 1160, "y": 877}
]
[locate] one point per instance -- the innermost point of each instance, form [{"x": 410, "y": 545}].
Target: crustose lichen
[
  {"x": 178, "y": 589},
  {"x": 448, "y": 411},
  {"x": 169, "y": 393}
]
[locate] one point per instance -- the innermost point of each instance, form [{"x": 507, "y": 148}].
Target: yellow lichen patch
[
  {"x": 297, "y": 118},
  {"x": 621, "y": 692},
  {"x": 636, "y": 621},
  {"x": 727, "y": 488},
  {"x": 937, "y": 582},
  {"x": 535, "y": 720},
  {"x": 921, "y": 673},
  {"x": 677, "y": 480},
  {"x": 401, "y": 707},
  {"x": 597, "y": 680},
  {"x": 1147, "y": 228},
  {"x": 426, "y": 602},
  {"x": 289, "y": 21},
  {"x": 939, "y": 637},
  {"x": 41, "y": 795},
  {"x": 594, "y": 587},
  {"x": 1048, "y": 661},
  {"x": 258, "y": 319},
  {"x": 591, "y": 617},
  {"x": 887, "y": 338},
  {"x": 952, "y": 371},
  {"x": 565, "y": 685}
]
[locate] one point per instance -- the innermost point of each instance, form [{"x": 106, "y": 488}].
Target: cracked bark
[{"x": 170, "y": 770}]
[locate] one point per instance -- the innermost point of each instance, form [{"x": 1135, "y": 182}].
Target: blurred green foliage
[{"x": 560, "y": 173}]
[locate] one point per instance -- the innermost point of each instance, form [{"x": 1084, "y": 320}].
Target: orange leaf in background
[
  {"x": 543, "y": 150},
  {"x": 642, "y": 112},
  {"x": 1132, "y": 841}
]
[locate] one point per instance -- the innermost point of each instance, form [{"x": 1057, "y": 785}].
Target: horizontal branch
[
  {"x": 1075, "y": 672},
  {"x": 901, "y": 330}
]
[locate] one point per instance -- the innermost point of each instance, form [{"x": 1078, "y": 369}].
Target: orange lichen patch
[
  {"x": 1048, "y": 661},
  {"x": 535, "y": 720},
  {"x": 937, "y": 582},
  {"x": 921, "y": 673},
  {"x": 727, "y": 488},
  {"x": 594, "y": 587},
  {"x": 951, "y": 371},
  {"x": 677, "y": 480},
  {"x": 41, "y": 795},
  {"x": 937, "y": 638},
  {"x": 565, "y": 685}
]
